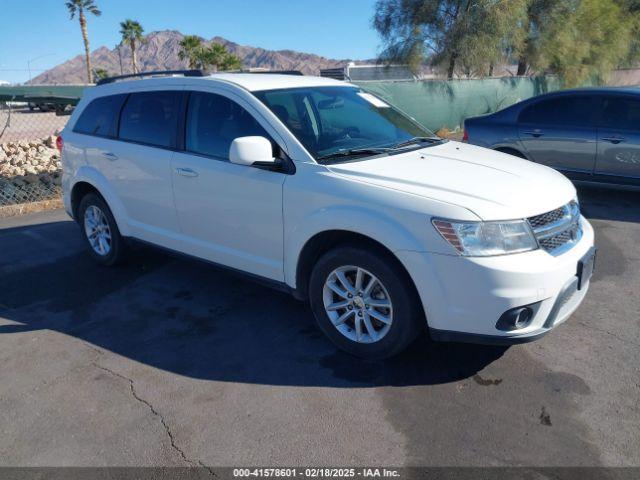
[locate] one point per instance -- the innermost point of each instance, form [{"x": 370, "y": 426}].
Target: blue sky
[{"x": 332, "y": 28}]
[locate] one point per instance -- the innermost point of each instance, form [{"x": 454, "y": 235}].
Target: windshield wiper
[
  {"x": 376, "y": 150},
  {"x": 354, "y": 151},
  {"x": 414, "y": 140}
]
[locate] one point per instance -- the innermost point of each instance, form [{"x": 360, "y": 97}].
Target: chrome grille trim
[
  {"x": 558, "y": 230},
  {"x": 546, "y": 218}
]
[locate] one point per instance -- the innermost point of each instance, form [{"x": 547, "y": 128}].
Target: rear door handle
[
  {"x": 535, "y": 133},
  {"x": 109, "y": 156},
  {"x": 613, "y": 139},
  {"x": 186, "y": 172}
]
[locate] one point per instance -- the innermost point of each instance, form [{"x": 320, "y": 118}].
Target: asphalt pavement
[{"x": 167, "y": 361}]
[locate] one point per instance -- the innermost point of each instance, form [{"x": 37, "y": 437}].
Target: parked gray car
[{"x": 591, "y": 135}]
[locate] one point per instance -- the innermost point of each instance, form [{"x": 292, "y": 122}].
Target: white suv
[{"x": 331, "y": 193}]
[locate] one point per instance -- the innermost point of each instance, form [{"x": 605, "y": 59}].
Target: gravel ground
[{"x": 170, "y": 362}]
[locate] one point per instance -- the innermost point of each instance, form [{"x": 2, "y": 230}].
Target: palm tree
[
  {"x": 190, "y": 49},
  {"x": 131, "y": 32},
  {"x": 200, "y": 55},
  {"x": 230, "y": 62},
  {"x": 100, "y": 73},
  {"x": 79, "y": 7},
  {"x": 218, "y": 57}
]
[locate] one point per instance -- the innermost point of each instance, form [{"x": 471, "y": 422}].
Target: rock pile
[
  {"x": 30, "y": 161},
  {"x": 29, "y": 158},
  {"x": 29, "y": 170}
]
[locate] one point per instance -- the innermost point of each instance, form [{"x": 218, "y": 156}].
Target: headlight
[{"x": 480, "y": 239}]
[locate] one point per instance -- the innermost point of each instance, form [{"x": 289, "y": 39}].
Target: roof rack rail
[
  {"x": 264, "y": 72},
  {"x": 279, "y": 72},
  {"x": 186, "y": 73}
]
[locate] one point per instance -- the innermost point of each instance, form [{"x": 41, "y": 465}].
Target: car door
[
  {"x": 138, "y": 164},
  {"x": 561, "y": 132},
  {"x": 95, "y": 134},
  {"x": 619, "y": 137},
  {"x": 229, "y": 214}
]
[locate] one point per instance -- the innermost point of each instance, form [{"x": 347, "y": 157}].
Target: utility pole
[{"x": 33, "y": 60}]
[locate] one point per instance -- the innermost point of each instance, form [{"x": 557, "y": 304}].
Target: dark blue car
[{"x": 590, "y": 134}]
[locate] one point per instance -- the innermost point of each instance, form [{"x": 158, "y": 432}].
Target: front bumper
[{"x": 463, "y": 297}]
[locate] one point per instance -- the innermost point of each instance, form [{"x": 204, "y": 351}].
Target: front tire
[
  {"x": 364, "y": 302},
  {"x": 100, "y": 231}
]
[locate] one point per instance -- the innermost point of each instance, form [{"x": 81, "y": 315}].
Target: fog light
[
  {"x": 516, "y": 318},
  {"x": 523, "y": 317}
]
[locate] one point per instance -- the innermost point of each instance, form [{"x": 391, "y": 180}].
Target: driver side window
[{"x": 214, "y": 121}]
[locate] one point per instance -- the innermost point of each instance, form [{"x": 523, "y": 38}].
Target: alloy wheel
[
  {"x": 358, "y": 304},
  {"x": 96, "y": 228}
]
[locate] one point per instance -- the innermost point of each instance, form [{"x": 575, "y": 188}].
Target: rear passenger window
[
  {"x": 214, "y": 121},
  {"x": 100, "y": 116},
  {"x": 563, "y": 111},
  {"x": 150, "y": 118},
  {"x": 621, "y": 113}
]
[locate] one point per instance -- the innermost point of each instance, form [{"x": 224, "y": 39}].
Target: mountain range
[{"x": 159, "y": 51}]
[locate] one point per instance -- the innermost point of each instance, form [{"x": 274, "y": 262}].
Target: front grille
[
  {"x": 558, "y": 229},
  {"x": 555, "y": 241},
  {"x": 546, "y": 218}
]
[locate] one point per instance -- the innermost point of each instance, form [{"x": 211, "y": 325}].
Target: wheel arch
[
  {"x": 78, "y": 192},
  {"x": 511, "y": 151},
  {"x": 89, "y": 180},
  {"x": 324, "y": 241}
]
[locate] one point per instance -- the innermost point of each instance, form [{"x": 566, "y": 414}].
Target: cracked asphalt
[{"x": 167, "y": 361}]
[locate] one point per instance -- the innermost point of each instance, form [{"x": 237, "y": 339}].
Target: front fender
[
  {"x": 373, "y": 224},
  {"x": 90, "y": 175}
]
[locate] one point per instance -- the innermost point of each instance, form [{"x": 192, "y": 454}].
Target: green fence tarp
[
  {"x": 66, "y": 94},
  {"x": 434, "y": 103},
  {"x": 446, "y": 103}
]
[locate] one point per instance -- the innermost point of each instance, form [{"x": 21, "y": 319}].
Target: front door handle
[
  {"x": 109, "y": 156},
  {"x": 534, "y": 133},
  {"x": 186, "y": 172},
  {"x": 613, "y": 139}
]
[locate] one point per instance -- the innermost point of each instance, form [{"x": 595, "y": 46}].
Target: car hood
[{"x": 493, "y": 185}]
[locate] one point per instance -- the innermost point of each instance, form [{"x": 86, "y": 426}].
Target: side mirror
[{"x": 252, "y": 151}]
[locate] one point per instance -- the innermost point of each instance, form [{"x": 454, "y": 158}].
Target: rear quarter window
[{"x": 100, "y": 116}]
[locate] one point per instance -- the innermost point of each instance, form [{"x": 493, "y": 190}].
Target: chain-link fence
[{"x": 30, "y": 169}]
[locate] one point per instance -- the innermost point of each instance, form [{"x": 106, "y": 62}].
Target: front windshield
[{"x": 330, "y": 120}]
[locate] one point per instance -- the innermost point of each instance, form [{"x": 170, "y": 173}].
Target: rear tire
[
  {"x": 389, "y": 314},
  {"x": 100, "y": 231}
]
